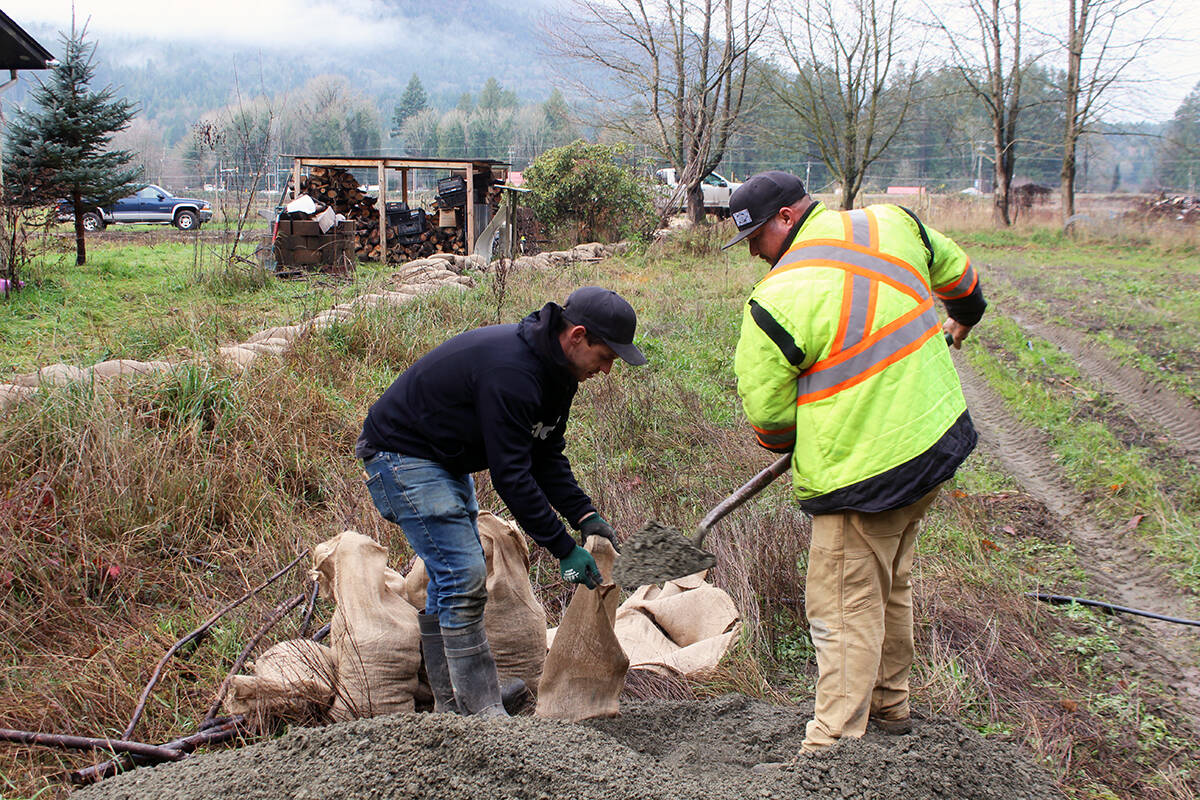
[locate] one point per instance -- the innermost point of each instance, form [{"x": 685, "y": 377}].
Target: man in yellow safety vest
[{"x": 841, "y": 361}]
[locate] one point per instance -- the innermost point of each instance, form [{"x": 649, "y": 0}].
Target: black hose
[{"x": 1062, "y": 599}]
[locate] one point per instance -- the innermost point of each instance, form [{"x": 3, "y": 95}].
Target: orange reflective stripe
[
  {"x": 829, "y": 261},
  {"x": 829, "y": 362},
  {"x": 892, "y": 343},
  {"x": 838, "y": 255},
  {"x": 847, "y": 299},
  {"x": 847, "y": 227},
  {"x": 950, "y": 286},
  {"x": 969, "y": 276},
  {"x": 872, "y": 230},
  {"x": 872, "y": 299},
  {"x": 773, "y": 431},
  {"x": 874, "y": 369},
  {"x": 777, "y": 438}
]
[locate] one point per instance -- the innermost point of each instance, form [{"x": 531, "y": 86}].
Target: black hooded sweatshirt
[{"x": 494, "y": 398}]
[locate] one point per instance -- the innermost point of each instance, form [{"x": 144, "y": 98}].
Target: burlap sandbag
[
  {"x": 514, "y": 618},
  {"x": 689, "y": 616},
  {"x": 373, "y": 635},
  {"x": 292, "y": 681},
  {"x": 685, "y": 627},
  {"x": 585, "y": 668}
]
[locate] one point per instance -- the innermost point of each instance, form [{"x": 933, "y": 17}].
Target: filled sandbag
[
  {"x": 685, "y": 627},
  {"x": 514, "y": 618},
  {"x": 292, "y": 681},
  {"x": 374, "y": 637},
  {"x": 585, "y": 668}
]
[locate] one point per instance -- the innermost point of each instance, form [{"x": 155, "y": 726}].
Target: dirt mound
[{"x": 656, "y": 749}]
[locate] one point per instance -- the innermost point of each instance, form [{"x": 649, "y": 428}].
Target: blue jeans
[{"x": 436, "y": 509}]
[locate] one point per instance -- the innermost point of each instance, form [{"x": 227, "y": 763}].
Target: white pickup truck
[{"x": 715, "y": 188}]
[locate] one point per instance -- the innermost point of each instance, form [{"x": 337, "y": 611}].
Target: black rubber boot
[
  {"x": 435, "y": 664},
  {"x": 473, "y": 671}
]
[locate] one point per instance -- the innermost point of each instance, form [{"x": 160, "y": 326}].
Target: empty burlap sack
[
  {"x": 374, "y": 638},
  {"x": 292, "y": 681},
  {"x": 514, "y": 618},
  {"x": 585, "y": 668},
  {"x": 685, "y": 627}
]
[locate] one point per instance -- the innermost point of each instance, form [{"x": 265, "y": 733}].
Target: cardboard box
[{"x": 447, "y": 218}]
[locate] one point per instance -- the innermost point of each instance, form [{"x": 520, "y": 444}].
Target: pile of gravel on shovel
[{"x": 656, "y": 750}]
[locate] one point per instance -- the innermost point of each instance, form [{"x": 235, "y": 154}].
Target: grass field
[{"x": 133, "y": 513}]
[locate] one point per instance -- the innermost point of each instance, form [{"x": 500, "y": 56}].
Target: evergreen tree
[
  {"x": 412, "y": 102},
  {"x": 61, "y": 148},
  {"x": 557, "y": 121},
  {"x": 1179, "y": 158}
]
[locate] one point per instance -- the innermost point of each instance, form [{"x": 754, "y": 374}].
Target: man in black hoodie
[{"x": 494, "y": 398}]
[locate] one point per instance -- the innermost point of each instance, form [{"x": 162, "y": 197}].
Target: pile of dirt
[{"x": 679, "y": 749}]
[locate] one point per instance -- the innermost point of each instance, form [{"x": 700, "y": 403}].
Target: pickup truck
[
  {"x": 716, "y": 190},
  {"x": 149, "y": 204}
]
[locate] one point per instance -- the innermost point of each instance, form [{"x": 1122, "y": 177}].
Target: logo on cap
[{"x": 741, "y": 217}]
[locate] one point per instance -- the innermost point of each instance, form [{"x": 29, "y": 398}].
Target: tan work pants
[{"x": 858, "y": 596}]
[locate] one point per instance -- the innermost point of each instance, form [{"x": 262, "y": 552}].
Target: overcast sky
[{"x": 1173, "y": 66}]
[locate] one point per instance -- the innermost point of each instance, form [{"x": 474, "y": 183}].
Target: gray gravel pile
[{"x": 656, "y": 749}]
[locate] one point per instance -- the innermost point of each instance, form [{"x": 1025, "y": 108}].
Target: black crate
[
  {"x": 396, "y": 213},
  {"x": 410, "y": 226},
  {"x": 452, "y": 191}
]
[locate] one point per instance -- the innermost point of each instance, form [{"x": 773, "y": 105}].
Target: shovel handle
[{"x": 743, "y": 493}]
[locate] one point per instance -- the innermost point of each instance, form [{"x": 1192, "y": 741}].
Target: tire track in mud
[
  {"x": 1118, "y": 566},
  {"x": 1141, "y": 395}
]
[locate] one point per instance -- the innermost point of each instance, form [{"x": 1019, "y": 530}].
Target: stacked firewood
[{"x": 339, "y": 189}]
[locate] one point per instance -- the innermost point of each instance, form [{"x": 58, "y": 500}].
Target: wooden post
[
  {"x": 470, "y": 232},
  {"x": 383, "y": 249},
  {"x": 295, "y": 178},
  {"x": 404, "y": 185}
]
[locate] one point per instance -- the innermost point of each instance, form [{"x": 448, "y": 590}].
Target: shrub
[{"x": 590, "y": 192}]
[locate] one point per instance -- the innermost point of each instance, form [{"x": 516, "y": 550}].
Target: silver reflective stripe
[
  {"x": 861, "y": 227},
  {"x": 856, "y": 325},
  {"x": 859, "y": 363},
  {"x": 770, "y": 439},
  {"x": 965, "y": 281},
  {"x": 867, "y": 261}
]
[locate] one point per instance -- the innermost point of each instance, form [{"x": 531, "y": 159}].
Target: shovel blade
[{"x": 657, "y": 554}]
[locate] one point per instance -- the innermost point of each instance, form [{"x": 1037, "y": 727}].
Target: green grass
[
  {"x": 1122, "y": 481},
  {"x": 147, "y": 302}
]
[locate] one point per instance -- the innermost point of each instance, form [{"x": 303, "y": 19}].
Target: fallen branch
[
  {"x": 279, "y": 613},
  {"x": 197, "y": 634},
  {"x": 69, "y": 742},
  {"x": 308, "y": 612},
  {"x": 228, "y": 729}
]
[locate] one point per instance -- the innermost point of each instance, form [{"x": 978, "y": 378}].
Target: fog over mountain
[{"x": 454, "y": 46}]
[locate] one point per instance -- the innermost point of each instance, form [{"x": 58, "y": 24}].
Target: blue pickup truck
[{"x": 149, "y": 204}]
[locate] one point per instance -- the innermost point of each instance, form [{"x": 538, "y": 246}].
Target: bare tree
[
  {"x": 994, "y": 77},
  {"x": 681, "y": 66},
  {"x": 849, "y": 94},
  {"x": 1103, "y": 39}
]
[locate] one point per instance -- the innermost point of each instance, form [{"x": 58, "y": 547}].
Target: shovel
[{"x": 657, "y": 554}]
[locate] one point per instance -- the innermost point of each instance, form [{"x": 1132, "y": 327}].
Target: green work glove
[
  {"x": 596, "y": 525},
  {"x": 580, "y": 567}
]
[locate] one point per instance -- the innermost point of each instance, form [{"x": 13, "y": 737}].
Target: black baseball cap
[
  {"x": 758, "y": 199},
  {"x": 608, "y": 316}
]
